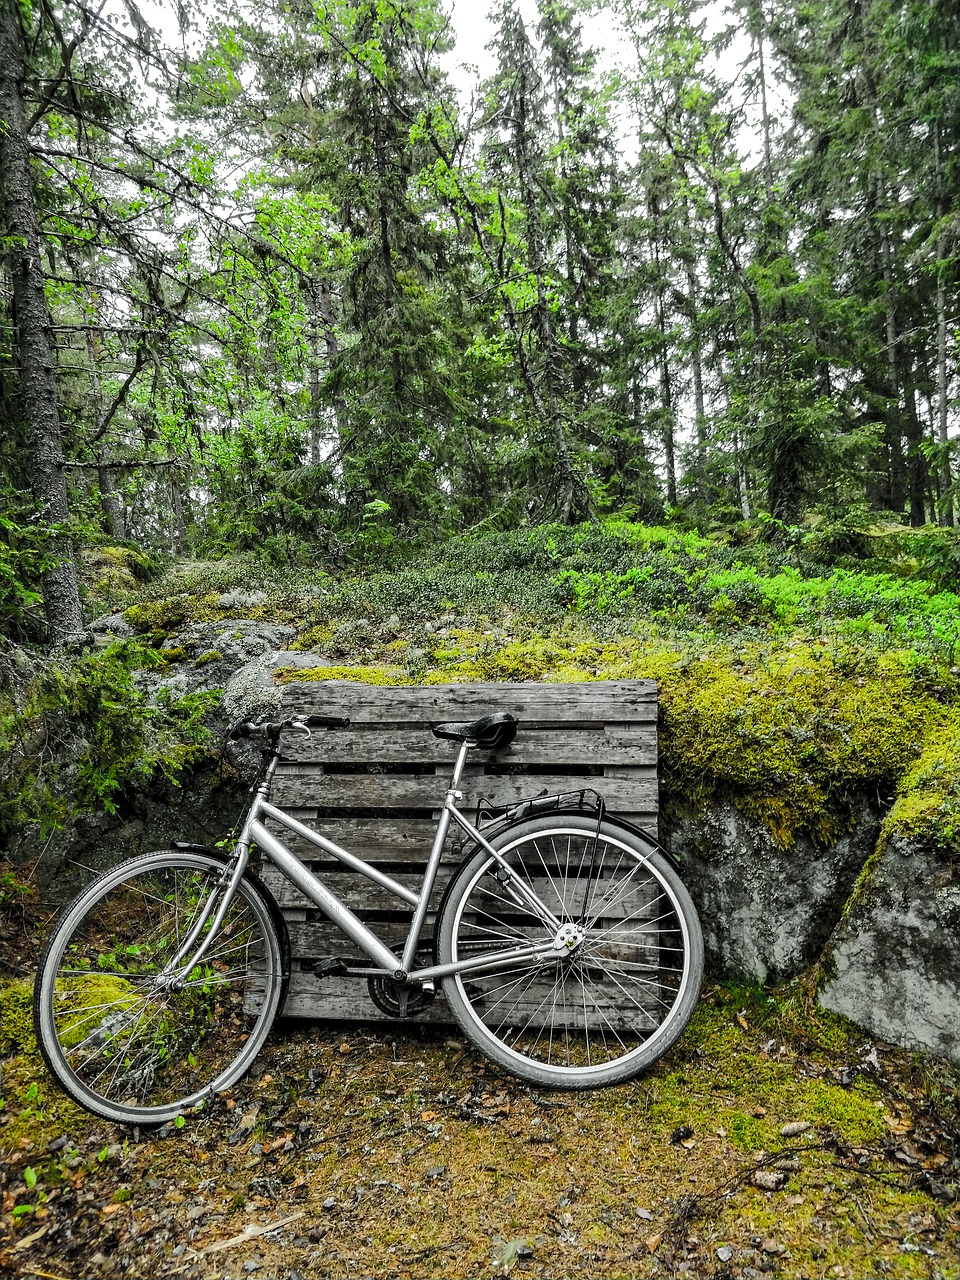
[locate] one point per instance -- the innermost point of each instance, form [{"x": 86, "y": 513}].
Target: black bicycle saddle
[{"x": 489, "y": 733}]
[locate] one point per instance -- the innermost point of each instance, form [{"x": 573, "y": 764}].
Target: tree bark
[
  {"x": 33, "y": 346},
  {"x": 696, "y": 355},
  {"x": 943, "y": 386}
]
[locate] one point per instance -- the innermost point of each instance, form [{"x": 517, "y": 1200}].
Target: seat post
[{"x": 461, "y": 760}]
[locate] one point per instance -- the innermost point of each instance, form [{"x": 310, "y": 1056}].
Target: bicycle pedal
[{"x": 329, "y": 967}]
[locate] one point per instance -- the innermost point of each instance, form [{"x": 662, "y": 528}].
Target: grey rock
[
  {"x": 891, "y": 964},
  {"x": 300, "y": 661},
  {"x": 113, "y": 625},
  {"x": 766, "y": 912},
  {"x": 251, "y": 694}
]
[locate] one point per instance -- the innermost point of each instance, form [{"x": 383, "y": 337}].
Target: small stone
[
  {"x": 794, "y": 1128},
  {"x": 645, "y": 1214},
  {"x": 330, "y": 1203},
  {"x": 437, "y": 1171},
  {"x": 769, "y": 1179},
  {"x": 724, "y": 1253},
  {"x": 681, "y": 1134},
  {"x": 772, "y": 1246}
]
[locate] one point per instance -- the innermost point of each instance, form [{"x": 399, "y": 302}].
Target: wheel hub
[{"x": 569, "y": 937}]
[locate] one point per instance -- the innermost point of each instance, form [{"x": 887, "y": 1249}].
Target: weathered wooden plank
[
  {"x": 314, "y": 938},
  {"x": 629, "y": 745},
  {"x": 374, "y": 839},
  {"x": 359, "y": 894},
  {"x": 347, "y": 999},
  {"x": 386, "y": 842},
  {"x": 403, "y": 791},
  {"x": 596, "y": 702},
  {"x": 344, "y": 997}
]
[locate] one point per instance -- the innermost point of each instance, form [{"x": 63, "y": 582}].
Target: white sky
[{"x": 471, "y": 62}]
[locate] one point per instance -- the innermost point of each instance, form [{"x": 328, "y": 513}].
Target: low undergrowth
[
  {"x": 79, "y": 733},
  {"x": 770, "y": 1139}
]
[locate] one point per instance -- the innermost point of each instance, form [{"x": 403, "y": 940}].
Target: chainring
[{"x": 397, "y": 1000}]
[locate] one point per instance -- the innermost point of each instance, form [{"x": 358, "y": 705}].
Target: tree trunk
[
  {"x": 916, "y": 462},
  {"x": 943, "y": 386},
  {"x": 894, "y": 426},
  {"x": 179, "y": 530},
  {"x": 765, "y": 114},
  {"x": 39, "y": 405},
  {"x": 696, "y": 353},
  {"x": 111, "y": 506},
  {"x": 666, "y": 399},
  {"x": 569, "y": 498}
]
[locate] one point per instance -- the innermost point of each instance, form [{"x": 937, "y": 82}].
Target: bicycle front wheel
[
  {"x": 122, "y": 1041},
  {"x": 623, "y": 993}
]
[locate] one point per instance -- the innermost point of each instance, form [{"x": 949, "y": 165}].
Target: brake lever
[{"x": 299, "y": 724}]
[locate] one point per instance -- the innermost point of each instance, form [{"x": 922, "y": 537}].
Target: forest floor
[{"x": 771, "y": 1140}]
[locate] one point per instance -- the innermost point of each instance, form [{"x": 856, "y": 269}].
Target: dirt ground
[{"x": 770, "y": 1141}]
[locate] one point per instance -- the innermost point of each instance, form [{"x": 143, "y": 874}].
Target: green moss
[
  {"x": 168, "y": 613},
  {"x": 764, "y": 1094},
  {"x": 314, "y": 639},
  {"x": 214, "y": 655},
  {"x": 16, "y": 1018},
  {"x": 85, "y": 998},
  {"x": 123, "y": 739},
  {"x": 928, "y": 795},
  {"x": 361, "y": 675}
]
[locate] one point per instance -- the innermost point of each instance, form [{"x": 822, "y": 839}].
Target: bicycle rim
[
  {"x": 120, "y": 1042},
  {"x": 619, "y": 999}
]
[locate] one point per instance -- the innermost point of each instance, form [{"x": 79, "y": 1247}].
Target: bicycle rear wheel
[
  {"x": 603, "y": 1012},
  {"x": 121, "y": 1042}
]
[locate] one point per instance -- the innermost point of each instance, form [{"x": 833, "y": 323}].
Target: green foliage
[
  {"x": 84, "y": 733},
  {"x": 16, "y": 1018},
  {"x": 24, "y": 558}
]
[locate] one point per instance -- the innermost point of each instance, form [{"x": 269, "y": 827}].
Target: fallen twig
[{"x": 249, "y": 1232}]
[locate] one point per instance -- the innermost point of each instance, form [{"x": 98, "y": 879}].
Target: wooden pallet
[{"x": 376, "y": 787}]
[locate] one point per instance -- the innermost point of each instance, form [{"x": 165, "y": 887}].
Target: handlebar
[{"x": 273, "y": 728}]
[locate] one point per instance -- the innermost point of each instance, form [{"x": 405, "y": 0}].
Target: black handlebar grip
[
  {"x": 244, "y": 730},
  {"x": 333, "y": 722}
]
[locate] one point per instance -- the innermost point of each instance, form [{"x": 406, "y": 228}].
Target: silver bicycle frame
[{"x": 254, "y": 832}]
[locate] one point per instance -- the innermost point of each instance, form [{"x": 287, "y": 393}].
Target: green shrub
[{"x": 85, "y": 732}]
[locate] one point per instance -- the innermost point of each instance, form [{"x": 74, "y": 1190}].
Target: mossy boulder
[
  {"x": 893, "y": 963},
  {"x": 766, "y": 910}
]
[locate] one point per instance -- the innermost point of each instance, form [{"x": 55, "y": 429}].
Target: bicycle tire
[
  {"x": 115, "y": 1041},
  {"x": 603, "y": 1013}
]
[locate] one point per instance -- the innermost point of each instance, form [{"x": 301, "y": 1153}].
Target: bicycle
[{"x": 566, "y": 945}]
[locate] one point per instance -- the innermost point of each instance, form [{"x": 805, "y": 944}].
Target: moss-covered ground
[
  {"x": 793, "y": 680},
  {"x": 391, "y": 1152}
]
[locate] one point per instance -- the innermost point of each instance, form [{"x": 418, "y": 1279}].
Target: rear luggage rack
[{"x": 567, "y": 800}]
